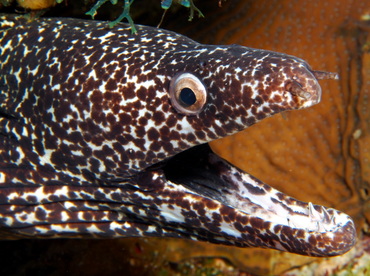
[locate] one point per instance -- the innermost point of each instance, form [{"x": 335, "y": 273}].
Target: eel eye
[{"x": 188, "y": 94}]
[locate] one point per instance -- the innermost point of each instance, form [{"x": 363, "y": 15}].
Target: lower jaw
[{"x": 252, "y": 214}]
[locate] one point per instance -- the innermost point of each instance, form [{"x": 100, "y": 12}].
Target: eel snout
[{"x": 304, "y": 84}]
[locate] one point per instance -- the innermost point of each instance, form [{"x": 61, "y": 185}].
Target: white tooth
[
  {"x": 326, "y": 218},
  {"x": 310, "y": 207},
  {"x": 334, "y": 218},
  {"x": 312, "y": 213}
]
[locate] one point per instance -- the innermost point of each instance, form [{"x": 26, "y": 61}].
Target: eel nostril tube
[
  {"x": 322, "y": 75},
  {"x": 296, "y": 89}
]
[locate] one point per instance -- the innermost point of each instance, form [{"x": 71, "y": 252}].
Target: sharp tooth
[
  {"x": 326, "y": 218},
  {"x": 312, "y": 213},
  {"x": 333, "y": 219},
  {"x": 310, "y": 207}
]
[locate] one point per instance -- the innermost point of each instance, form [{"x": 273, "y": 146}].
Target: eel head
[{"x": 106, "y": 136}]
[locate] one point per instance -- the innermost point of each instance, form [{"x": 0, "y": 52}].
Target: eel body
[{"x": 104, "y": 134}]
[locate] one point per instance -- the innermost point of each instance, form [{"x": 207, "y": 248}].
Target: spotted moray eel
[{"x": 104, "y": 134}]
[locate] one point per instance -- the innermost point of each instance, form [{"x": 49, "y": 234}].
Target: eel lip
[{"x": 246, "y": 212}]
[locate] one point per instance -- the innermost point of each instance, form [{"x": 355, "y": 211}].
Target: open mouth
[{"x": 238, "y": 209}]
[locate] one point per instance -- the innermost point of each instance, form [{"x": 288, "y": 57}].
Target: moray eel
[{"x": 104, "y": 134}]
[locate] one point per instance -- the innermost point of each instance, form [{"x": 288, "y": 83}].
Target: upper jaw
[{"x": 238, "y": 209}]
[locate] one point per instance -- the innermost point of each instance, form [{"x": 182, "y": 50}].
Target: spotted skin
[{"x": 91, "y": 145}]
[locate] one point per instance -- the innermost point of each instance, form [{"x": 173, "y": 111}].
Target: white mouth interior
[{"x": 273, "y": 206}]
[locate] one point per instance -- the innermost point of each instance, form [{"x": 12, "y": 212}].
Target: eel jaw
[{"x": 240, "y": 210}]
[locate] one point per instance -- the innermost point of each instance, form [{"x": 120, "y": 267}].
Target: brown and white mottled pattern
[{"x": 92, "y": 145}]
